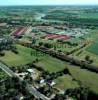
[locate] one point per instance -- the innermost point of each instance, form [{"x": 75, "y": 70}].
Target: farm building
[
  {"x": 19, "y": 31},
  {"x": 3, "y": 24},
  {"x": 57, "y": 37}
]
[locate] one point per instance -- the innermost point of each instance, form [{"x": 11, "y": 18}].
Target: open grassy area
[
  {"x": 92, "y": 56},
  {"x": 88, "y": 15},
  {"x": 85, "y": 78},
  {"x": 66, "y": 82},
  {"x": 93, "y": 48},
  {"x": 51, "y": 64},
  {"x": 24, "y": 56}
]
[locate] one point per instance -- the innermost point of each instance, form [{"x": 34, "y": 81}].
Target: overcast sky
[{"x": 47, "y": 2}]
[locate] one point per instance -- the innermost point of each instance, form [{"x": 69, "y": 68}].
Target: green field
[
  {"x": 65, "y": 82},
  {"x": 23, "y": 57},
  {"x": 93, "y": 48},
  {"x": 85, "y": 78},
  {"x": 88, "y": 15},
  {"x": 46, "y": 62}
]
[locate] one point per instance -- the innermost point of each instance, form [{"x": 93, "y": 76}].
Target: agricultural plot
[
  {"x": 27, "y": 55},
  {"x": 65, "y": 82},
  {"x": 85, "y": 78},
  {"x": 88, "y": 15},
  {"x": 51, "y": 64},
  {"x": 85, "y": 53},
  {"x": 93, "y": 48},
  {"x": 22, "y": 58}
]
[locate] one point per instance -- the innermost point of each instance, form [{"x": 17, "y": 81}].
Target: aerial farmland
[{"x": 53, "y": 50}]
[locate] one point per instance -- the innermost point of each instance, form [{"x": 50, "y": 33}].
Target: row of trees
[{"x": 81, "y": 93}]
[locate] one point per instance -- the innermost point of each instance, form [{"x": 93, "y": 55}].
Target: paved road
[
  {"x": 37, "y": 94},
  {"x": 6, "y": 69},
  {"x": 30, "y": 88}
]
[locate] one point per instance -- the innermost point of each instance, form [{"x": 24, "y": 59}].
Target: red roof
[
  {"x": 58, "y": 37},
  {"x": 19, "y": 31}
]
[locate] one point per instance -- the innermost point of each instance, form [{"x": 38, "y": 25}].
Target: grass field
[
  {"x": 46, "y": 62},
  {"x": 23, "y": 57},
  {"x": 85, "y": 78},
  {"x": 51, "y": 64},
  {"x": 93, "y": 48},
  {"x": 88, "y": 15},
  {"x": 92, "y": 56},
  {"x": 65, "y": 82}
]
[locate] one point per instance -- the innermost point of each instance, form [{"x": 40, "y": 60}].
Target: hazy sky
[{"x": 47, "y": 2}]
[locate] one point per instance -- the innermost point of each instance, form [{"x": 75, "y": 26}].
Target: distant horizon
[
  {"x": 46, "y": 2},
  {"x": 55, "y": 5}
]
